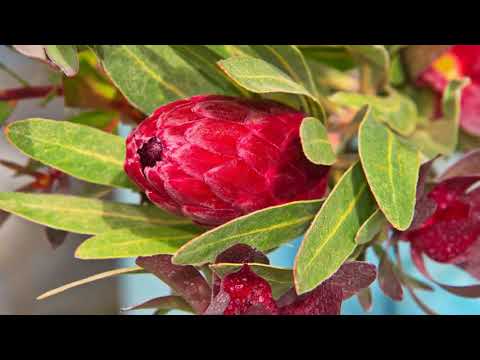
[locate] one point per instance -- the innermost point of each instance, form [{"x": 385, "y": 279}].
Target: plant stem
[
  {"x": 29, "y": 92},
  {"x": 33, "y": 92}
]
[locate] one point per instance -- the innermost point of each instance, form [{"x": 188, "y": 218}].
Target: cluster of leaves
[{"x": 365, "y": 118}]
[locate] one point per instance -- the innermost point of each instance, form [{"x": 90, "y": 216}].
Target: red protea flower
[
  {"x": 246, "y": 293},
  {"x": 214, "y": 158},
  {"x": 458, "y": 62},
  {"x": 452, "y": 233}
]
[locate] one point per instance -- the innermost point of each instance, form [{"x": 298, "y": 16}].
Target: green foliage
[
  {"x": 331, "y": 237},
  {"x": 365, "y": 116},
  {"x": 391, "y": 166},
  {"x": 81, "y": 151},
  {"x": 264, "y": 229},
  {"x": 315, "y": 142}
]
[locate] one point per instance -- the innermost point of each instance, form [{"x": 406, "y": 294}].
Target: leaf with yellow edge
[
  {"x": 391, "y": 167},
  {"x": 264, "y": 230},
  {"x": 330, "y": 240}
]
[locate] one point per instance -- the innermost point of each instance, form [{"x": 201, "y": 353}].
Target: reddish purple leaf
[
  {"x": 365, "y": 299},
  {"x": 424, "y": 207},
  {"x": 423, "y": 177},
  {"x": 469, "y": 291},
  {"x": 325, "y": 299},
  {"x": 242, "y": 254},
  {"x": 185, "y": 281},
  {"x": 353, "y": 276},
  {"x": 388, "y": 280},
  {"x": 471, "y": 261},
  {"x": 468, "y": 165},
  {"x": 55, "y": 237}
]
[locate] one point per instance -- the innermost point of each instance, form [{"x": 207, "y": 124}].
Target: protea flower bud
[{"x": 214, "y": 158}]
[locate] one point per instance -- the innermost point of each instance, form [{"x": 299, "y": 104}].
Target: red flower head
[
  {"x": 246, "y": 293},
  {"x": 458, "y": 62},
  {"x": 452, "y": 233},
  {"x": 214, "y": 158}
]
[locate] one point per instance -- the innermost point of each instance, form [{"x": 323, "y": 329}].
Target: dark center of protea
[{"x": 150, "y": 153}]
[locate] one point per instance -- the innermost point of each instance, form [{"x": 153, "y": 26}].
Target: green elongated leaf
[
  {"x": 261, "y": 77},
  {"x": 81, "y": 151},
  {"x": 336, "y": 56},
  {"x": 6, "y": 110},
  {"x": 90, "y": 279},
  {"x": 391, "y": 167},
  {"x": 204, "y": 60},
  {"x": 96, "y": 119},
  {"x": 315, "y": 143},
  {"x": 378, "y": 57},
  {"x": 371, "y": 227},
  {"x": 165, "y": 303},
  {"x": 280, "y": 279},
  {"x": 152, "y": 75},
  {"x": 328, "y": 78},
  {"x": 396, "y": 110},
  {"x": 133, "y": 242},
  {"x": 263, "y": 230},
  {"x": 441, "y": 136},
  {"x": 65, "y": 57},
  {"x": 84, "y": 215},
  {"x": 291, "y": 61},
  {"x": 330, "y": 240}
]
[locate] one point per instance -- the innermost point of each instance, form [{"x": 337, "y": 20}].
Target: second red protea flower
[
  {"x": 458, "y": 62},
  {"x": 214, "y": 158},
  {"x": 452, "y": 234}
]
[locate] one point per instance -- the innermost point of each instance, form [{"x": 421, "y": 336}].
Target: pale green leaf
[
  {"x": 391, "y": 167},
  {"x": 65, "y": 57},
  {"x": 81, "y": 151},
  {"x": 371, "y": 227},
  {"x": 133, "y": 242},
  {"x": 264, "y": 230},
  {"x": 163, "y": 304},
  {"x": 377, "y": 57},
  {"x": 330, "y": 240},
  {"x": 204, "y": 60},
  {"x": 315, "y": 143},
  {"x": 96, "y": 119},
  {"x": 291, "y": 61},
  {"x": 261, "y": 77},
  {"x": 84, "y": 215},
  {"x": 152, "y": 75},
  {"x": 396, "y": 110},
  {"x": 90, "y": 279}
]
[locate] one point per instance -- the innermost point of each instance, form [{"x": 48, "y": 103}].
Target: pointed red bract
[
  {"x": 214, "y": 158},
  {"x": 245, "y": 290}
]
